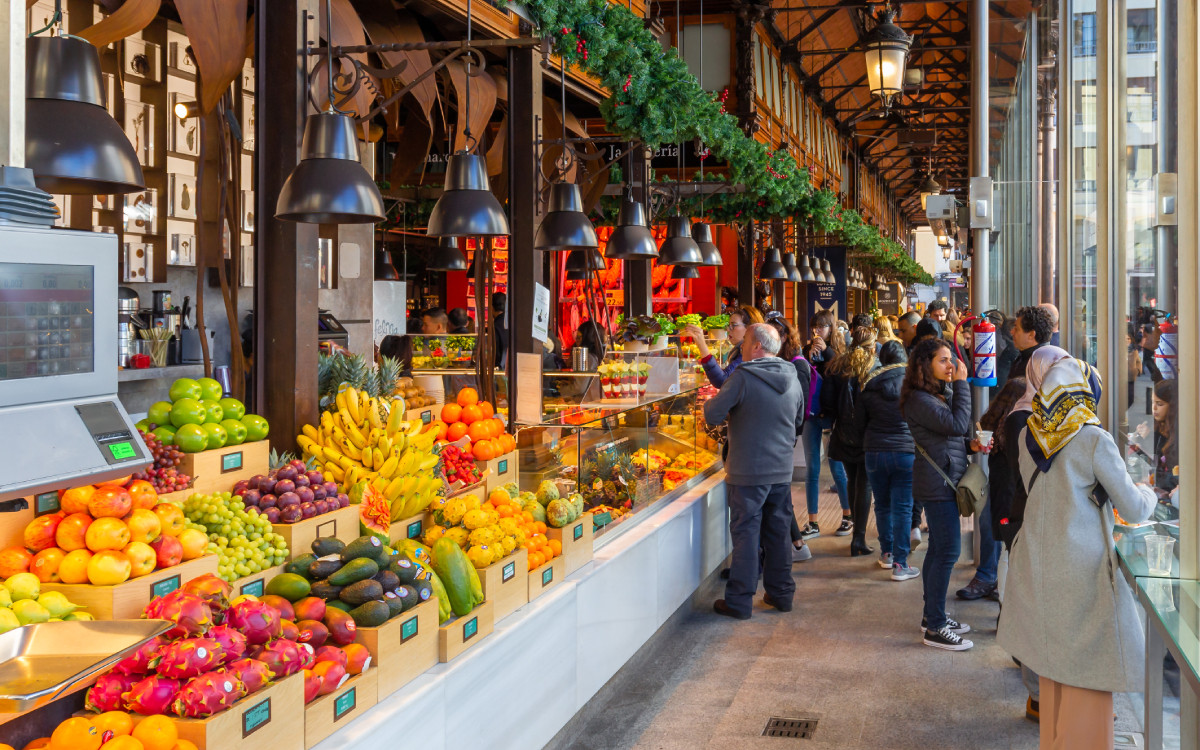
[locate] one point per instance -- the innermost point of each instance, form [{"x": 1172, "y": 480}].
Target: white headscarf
[{"x": 1035, "y": 373}]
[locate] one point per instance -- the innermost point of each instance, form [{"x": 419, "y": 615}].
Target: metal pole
[
  {"x": 12, "y": 83},
  {"x": 1166, "y": 140},
  {"x": 979, "y": 165}
]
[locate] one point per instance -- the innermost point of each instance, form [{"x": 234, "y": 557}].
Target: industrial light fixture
[
  {"x": 772, "y": 268},
  {"x": 566, "y": 226},
  {"x": 72, "y": 145},
  {"x": 448, "y": 256},
  {"x": 789, "y": 263},
  {"x": 880, "y": 285},
  {"x": 385, "y": 270},
  {"x": 929, "y": 187},
  {"x": 827, "y": 272},
  {"x": 886, "y": 51},
  {"x": 679, "y": 249},
  {"x": 685, "y": 272},
  {"x": 586, "y": 260},
  {"x": 631, "y": 240},
  {"x": 806, "y": 270},
  {"x": 577, "y": 275},
  {"x": 702, "y": 234}
]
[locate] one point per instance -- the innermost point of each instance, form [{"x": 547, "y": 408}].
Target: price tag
[
  {"x": 408, "y": 629},
  {"x": 414, "y": 529},
  {"x": 602, "y": 519},
  {"x": 502, "y": 467},
  {"x": 507, "y": 572},
  {"x": 345, "y": 703},
  {"x": 577, "y": 534},
  {"x": 45, "y": 503},
  {"x": 164, "y": 587},
  {"x": 547, "y": 576},
  {"x": 231, "y": 462},
  {"x": 470, "y": 629},
  {"x": 329, "y": 528},
  {"x": 427, "y": 416},
  {"x": 256, "y": 717},
  {"x": 254, "y": 588}
]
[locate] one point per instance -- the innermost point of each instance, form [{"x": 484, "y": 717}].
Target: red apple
[{"x": 168, "y": 551}]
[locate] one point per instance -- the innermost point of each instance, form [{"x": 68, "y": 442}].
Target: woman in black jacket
[
  {"x": 838, "y": 394},
  {"x": 790, "y": 351},
  {"x": 889, "y": 457},
  {"x": 936, "y": 402}
]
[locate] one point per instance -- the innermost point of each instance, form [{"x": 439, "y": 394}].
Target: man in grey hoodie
[{"x": 762, "y": 400}]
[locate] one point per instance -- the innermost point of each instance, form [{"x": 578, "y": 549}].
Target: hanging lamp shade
[
  {"x": 577, "y": 275},
  {"x": 702, "y": 234},
  {"x": 329, "y": 185},
  {"x": 789, "y": 262},
  {"x": 827, "y": 272},
  {"x": 929, "y": 187},
  {"x": 685, "y": 272},
  {"x": 587, "y": 260},
  {"x": 806, "y": 271},
  {"x": 679, "y": 249},
  {"x": 566, "y": 226},
  {"x": 72, "y": 144},
  {"x": 880, "y": 285},
  {"x": 886, "y": 51},
  {"x": 385, "y": 270},
  {"x": 631, "y": 240},
  {"x": 772, "y": 268},
  {"x": 467, "y": 207},
  {"x": 447, "y": 257}
]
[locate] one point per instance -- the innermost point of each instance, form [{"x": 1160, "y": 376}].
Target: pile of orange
[
  {"x": 541, "y": 550},
  {"x": 87, "y": 733},
  {"x": 475, "y": 420}
]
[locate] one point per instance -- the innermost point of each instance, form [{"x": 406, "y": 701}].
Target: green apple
[
  {"x": 256, "y": 427},
  {"x": 185, "y": 388},
  {"x": 234, "y": 409},
  {"x": 212, "y": 411},
  {"x": 210, "y": 389},
  {"x": 191, "y": 438},
  {"x": 165, "y": 433},
  {"x": 187, "y": 411},
  {"x": 236, "y": 431},
  {"x": 159, "y": 413},
  {"x": 217, "y": 436}
]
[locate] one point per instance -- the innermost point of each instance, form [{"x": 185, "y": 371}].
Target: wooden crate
[
  {"x": 341, "y": 523},
  {"x": 329, "y": 713},
  {"x": 218, "y": 470},
  {"x": 262, "y": 719},
  {"x": 409, "y": 528},
  {"x": 404, "y": 646},
  {"x": 256, "y": 583},
  {"x": 460, "y": 633},
  {"x": 546, "y": 577},
  {"x": 504, "y": 583},
  {"x": 125, "y": 601},
  {"x": 423, "y": 414},
  {"x": 576, "y": 539},
  {"x": 181, "y": 495},
  {"x": 499, "y": 471}
]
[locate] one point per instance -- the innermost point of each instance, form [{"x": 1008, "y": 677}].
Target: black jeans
[
  {"x": 858, "y": 492},
  {"x": 759, "y": 516}
]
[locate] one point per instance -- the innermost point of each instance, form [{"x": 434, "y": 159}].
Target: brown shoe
[{"x": 721, "y": 608}]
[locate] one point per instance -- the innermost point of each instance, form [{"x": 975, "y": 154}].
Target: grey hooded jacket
[{"x": 762, "y": 401}]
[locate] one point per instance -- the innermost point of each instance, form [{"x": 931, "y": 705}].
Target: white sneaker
[
  {"x": 914, "y": 538},
  {"x": 801, "y": 553}
]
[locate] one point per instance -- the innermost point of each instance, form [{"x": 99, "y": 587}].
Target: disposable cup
[{"x": 1159, "y": 554}]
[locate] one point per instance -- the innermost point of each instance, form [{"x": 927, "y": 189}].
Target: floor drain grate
[{"x": 802, "y": 729}]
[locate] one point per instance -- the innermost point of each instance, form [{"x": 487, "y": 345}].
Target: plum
[
  {"x": 298, "y": 465},
  {"x": 288, "y": 499},
  {"x": 267, "y": 486},
  {"x": 241, "y": 487},
  {"x": 286, "y": 472},
  {"x": 318, "y": 491},
  {"x": 272, "y": 515},
  {"x": 331, "y": 489},
  {"x": 268, "y": 501},
  {"x": 284, "y": 486},
  {"x": 315, "y": 477},
  {"x": 251, "y": 498},
  {"x": 302, "y": 481},
  {"x": 291, "y": 514},
  {"x": 307, "y": 510},
  {"x": 343, "y": 500},
  {"x": 255, "y": 481}
]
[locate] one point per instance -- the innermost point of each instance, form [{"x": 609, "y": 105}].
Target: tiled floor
[{"x": 849, "y": 654}]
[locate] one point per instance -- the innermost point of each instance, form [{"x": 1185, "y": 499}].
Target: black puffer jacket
[
  {"x": 838, "y": 394},
  {"x": 877, "y": 414},
  {"x": 940, "y": 427}
]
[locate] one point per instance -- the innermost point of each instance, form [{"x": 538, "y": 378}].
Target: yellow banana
[
  {"x": 367, "y": 459},
  {"x": 408, "y": 463},
  {"x": 339, "y": 399},
  {"x": 392, "y": 490},
  {"x": 336, "y": 472},
  {"x": 373, "y": 416},
  {"x": 376, "y": 458},
  {"x": 351, "y": 450},
  {"x": 350, "y": 399},
  {"x": 347, "y": 463},
  {"x": 428, "y": 462},
  {"x": 365, "y": 402},
  {"x": 355, "y": 435},
  {"x": 326, "y": 421},
  {"x": 422, "y": 442},
  {"x": 395, "y": 416},
  {"x": 373, "y": 435},
  {"x": 305, "y": 443},
  {"x": 311, "y": 433},
  {"x": 415, "y": 427},
  {"x": 388, "y": 467},
  {"x": 385, "y": 444},
  {"x": 337, "y": 435}
]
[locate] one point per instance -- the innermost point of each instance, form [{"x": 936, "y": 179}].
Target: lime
[
  {"x": 256, "y": 427},
  {"x": 212, "y": 411},
  {"x": 187, "y": 411},
  {"x": 234, "y": 409},
  {"x": 143, "y": 425},
  {"x": 159, "y": 413},
  {"x": 235, "y": 430},
  {"x": 210, "y": 389},
  {"x": 185, "y": 388},
  {"x": 191, "y": 438},
  {"x": 165, "y": 433},
  {"x": 217, "y": 436}
]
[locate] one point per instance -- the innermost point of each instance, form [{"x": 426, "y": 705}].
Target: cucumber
[{"x": 358, "y": 569}]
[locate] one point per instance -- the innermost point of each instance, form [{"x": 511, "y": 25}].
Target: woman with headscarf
[{"x": 1068, "y": 613}]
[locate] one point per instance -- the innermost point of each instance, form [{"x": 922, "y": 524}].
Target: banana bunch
[{"x": 368, "y": 439}]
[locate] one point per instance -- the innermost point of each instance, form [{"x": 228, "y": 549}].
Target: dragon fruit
[
  {"x": 191, "y": 614},
  {"x": 308, "y": 656},
  {"x": 232, "y": 641},
  {"x": 152, "y": 695},
  {"x": 138, "y": 663},
  {"x": 283, "y": 657},
  {"x": 208, "y": 694},
  {"x": 257, "y": 621},
  {"x": 106, "y": 694},
  {"x": 214, "y": 591},
  {"x": 182, "y": 660},
  {"x": 253, "y": 673}
]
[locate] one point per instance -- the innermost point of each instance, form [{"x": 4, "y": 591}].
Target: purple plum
[
  {"x": 308, "y": 510},
  {"x": 343, "y": 500},
  {"x": 286, "y": 472},
  {"x": 284, "y": 486},
  {"x": 331, "y": 489},
  {"x": 298, "y": 465},
  {"x": 273, "y": 515},
  {"x": 291, "y": 514},
  {"x": 318, "y": 491},
  {"x": 315, "y": 478},
  {"x": 268, "y": 501},
  {"x": 288, "y": 499},
  {"x": 255, "y": 481},
  {"x": 267, "y": 486},
  {"x": 305, "y": 494},
  {"x": 241, "y": 487},
  {"x": 251, "y": 498},
  {"x": 302, "y": 481}
]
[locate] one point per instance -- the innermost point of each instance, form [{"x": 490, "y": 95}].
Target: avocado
[
  {"x": 357, "y": 569},
  {"x": 387, "y": 579},
  {"x": 325, "y": 590},
  {"x": 327, "y": 545},
  {"x": 339, "y": 604},
  {"x": 361, "y": 592},
  {"x": 323, "y": 569},
  {"x": 300, "y": 565},
  {"x": 365, "y": 547},
  {"x": 423, "y": 589},
  {"x": 409, "y": 595},
  {"x": 395, "y": 603},
  {"x": 404, "y": 569},
  {"x": 371, "y": 615}
]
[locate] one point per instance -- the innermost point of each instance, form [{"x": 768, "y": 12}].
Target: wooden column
[
  {"x": 285, "y": 289},
  {"x": 639, "y": 292}
]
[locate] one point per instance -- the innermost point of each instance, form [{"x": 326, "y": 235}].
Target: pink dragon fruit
[
  {"x": 257, "y": 621},
  {"x": 208, "y": 694},
  {"x": 106, "y": 694},
  {"x": 182, "y": 660},
  {"x": 152, "y": 695},
  {"x": 191, "y": 615},
  {"x": 138, "y": 663},
  {"x": 282, "y": 657},
  {"x": 231, "y": 640},
  {"x": 254, "y": 674},
  {"x": 308, "y": 656}
]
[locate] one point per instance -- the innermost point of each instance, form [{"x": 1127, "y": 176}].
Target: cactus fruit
[
  {"x": 138, "y": 663},
  {"x": 259, "y": 622},
  {"x": 232, "y": 641},
  {"x": 254, "y": 674},
  {"x": 191, "y": 614}
]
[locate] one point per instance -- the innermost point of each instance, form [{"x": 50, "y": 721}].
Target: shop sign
[
  {"x": 830, "y": 297},
  {"x": 889, "y": 301}
]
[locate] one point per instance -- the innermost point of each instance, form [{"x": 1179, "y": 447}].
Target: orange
[
  {"x": 555, "y": 547},
  {"x": 499, "y": 496},
  {"x": 479, "y": 430},
  {"x": 471, "y": 414},
  {"x": 107, "y": 533},
  {"x": 487, "y": 409},
  {"x": 451, "y": 413},
  {"x": 456, "y": 431},
  {"x": 124, "y": 742},
  {"x": 505, "y": 511},
  {"x": 185, "y": 745},
  {"x": 73, "y": 568},
  {"x": 119, "y": 722},
  {"x": 483, "y": 451},
  {"x": 537, "y": 560},
  {"x": 38, "y": 743},
  {"x": 508, "y": 442},
  {"x": 75, "y": 734},
  {"x": 156, "y": 733},
  {"x": 526, "y": 516},
  {"x": 541, "y": 527},
  {"x": 468, "y": 397}
]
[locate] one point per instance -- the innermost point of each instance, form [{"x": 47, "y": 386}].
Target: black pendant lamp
[
  {"x": 577, "y": 275},
  {"x": 566, "y": 226},
  {"x": 385, "y": 270},
  {"x": 586, "y": 260},
  {"x": 827, "y": 272},
  {"x": 447, "y": 257},
  {"x": 329, "y": 185},
  {"x": 702, "y": 234},
  {"x": 685, "y": 272},
  {"x": 679, "y": 249},
  {"x": 72, "y": 144},
  {"x": 631, "y": 240},
  {"x": 467, "y": 207},
  {"x": 772, "y": 268},
  {"x": 789, "y": 262},
  {"x": 806, "y": 271}
]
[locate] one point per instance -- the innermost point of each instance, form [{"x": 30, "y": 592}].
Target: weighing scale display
[{"x": 46, "y": 320}]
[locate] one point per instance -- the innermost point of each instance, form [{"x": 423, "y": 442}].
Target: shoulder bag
[{"x": 970, "y": 492}]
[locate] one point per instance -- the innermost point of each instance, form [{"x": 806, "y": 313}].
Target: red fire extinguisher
[
  {"x": 1167, "y": 354},
  {"x": 984, "y": 347}
]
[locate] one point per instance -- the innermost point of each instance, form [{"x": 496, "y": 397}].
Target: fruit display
[
  {"x": 685, "y": 466},
  {"x": 238, "y": 534},
  {"x": 489, "y": 531},
  {"x": 340, "y": 587},
  {"x": 197, "y": 417},
  {"x": 619, "y": 379},
  {"x": 651, "y": 460},
  {"x": 292, "y": 491},
  {"x": 22, "y": 602},
  {"x": 459, "y": 468},
  {"x": 112, "y": 730},
  {"x": 414, "y": 395},
  {"x": 442, "y": 352},
  {"x": 164, "y": 474},
  {"x": 104, "y": 535},
  {"x": 468, "y": 417}
]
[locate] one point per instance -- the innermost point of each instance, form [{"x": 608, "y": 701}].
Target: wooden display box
[
  {"x": 576, "y": 539},
  {"x": 256, "y": 583},
  {"x": 460, "y": 633},
  {"x": 218, "y": 470},
  {"x": 546, "y": 577},
  {"x": 125, "y": 601},
  {"x": 409, "y": 528},
  {"x": 504, "y": 583},
  {"x": 341, "y": 523},
  {"x": 262, "y": 719},
  {"x": 181, "y": 495},
  {"x": 329, "y": 713},
  {"x": 423, "y": 414},
  {"x": 499, "y": 471},
  {"x": 479, "y": 488},
  {"x": 403, "y": 647}
]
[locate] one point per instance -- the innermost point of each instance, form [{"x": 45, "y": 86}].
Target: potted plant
[
  {"x": 668, "y": 329},
  {"x": 716, "y": 326},
  {"x": 639, "y": 331}
]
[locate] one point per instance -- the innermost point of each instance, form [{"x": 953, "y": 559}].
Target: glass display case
[{"x": 443, "y": 351}]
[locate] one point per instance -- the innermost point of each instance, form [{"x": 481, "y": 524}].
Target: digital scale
[{"x": 59, "y": 415}]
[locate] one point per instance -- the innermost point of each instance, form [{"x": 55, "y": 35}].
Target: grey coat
[{"x": 1069, "y": 614}]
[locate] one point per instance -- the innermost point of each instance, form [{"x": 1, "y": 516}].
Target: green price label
[
  {"x": 414, "y": 529},
  {"x": 602, "y": 519},
  {"x": 470, "y": 629},
  {"x": 45, "y": 503},
  {"x": 122, "y": 451},
  {"x": 427, "y": 416},
  {"x": 164, "y": 587},
  {"x": 344, "y": 703},
  {"x": 231, "y": 462},
  {"x": 256, "y": 717},
  {"x": 547, "y": 576},
  {"x": 578, "y": 533},
  {"x": 508, "y": 572},
  {"x": 408, "y": 629},
  {"x": 254, "y": 588},
  {"x": 502, "y": 467}
]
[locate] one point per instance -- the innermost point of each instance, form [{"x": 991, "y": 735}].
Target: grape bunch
[
  {"x": 243, "y": 541},
  {"x": 164, "y": 474}
]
